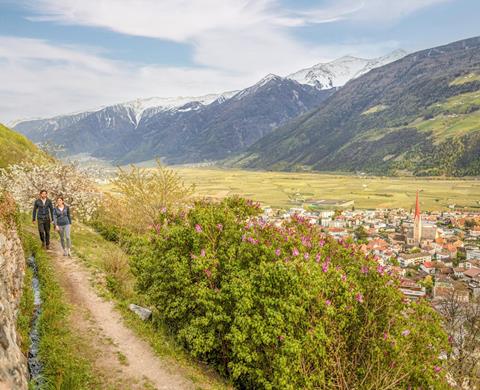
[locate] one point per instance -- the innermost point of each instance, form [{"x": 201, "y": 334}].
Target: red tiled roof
[{"x": 472, "y": 272}]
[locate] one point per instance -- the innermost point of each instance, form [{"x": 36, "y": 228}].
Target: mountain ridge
[
  {"x": 412, "y": 116},
  {"x": 181, "y": 129}
]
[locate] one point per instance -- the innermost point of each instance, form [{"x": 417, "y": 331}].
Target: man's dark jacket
[{"x": 43, "y": 212}]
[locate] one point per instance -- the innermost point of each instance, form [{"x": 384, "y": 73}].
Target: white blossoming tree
[{"x": 25, "y": 180}]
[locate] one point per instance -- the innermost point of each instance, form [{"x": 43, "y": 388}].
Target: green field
[{"x": 276, "y": 188}]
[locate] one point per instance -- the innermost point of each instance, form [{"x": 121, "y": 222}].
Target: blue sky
[{"x": 59, "y": 56}]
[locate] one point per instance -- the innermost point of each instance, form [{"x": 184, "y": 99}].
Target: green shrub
[
  {"x": 286, "y": 308},
  {"x": 118, "y": 275}
]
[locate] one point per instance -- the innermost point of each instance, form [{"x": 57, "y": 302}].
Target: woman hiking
[{"x": 62, "y": 221}]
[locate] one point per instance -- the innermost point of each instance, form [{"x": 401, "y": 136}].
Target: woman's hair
[{"x": 60, "y": 197}]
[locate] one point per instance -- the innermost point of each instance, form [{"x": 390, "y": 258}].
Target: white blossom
[{"x": 25, "y": 180}]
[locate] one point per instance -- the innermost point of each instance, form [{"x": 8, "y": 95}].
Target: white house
[{"x": 412, "y": 259}]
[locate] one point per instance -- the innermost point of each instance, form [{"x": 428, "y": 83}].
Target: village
[{"x": 435, "y": 254}]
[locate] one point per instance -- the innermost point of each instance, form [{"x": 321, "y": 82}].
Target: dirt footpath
[{"x": 122, "y": 359}]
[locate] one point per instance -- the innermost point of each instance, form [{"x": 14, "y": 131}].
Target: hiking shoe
[
  {"x": 48, "y": 247},
  {"x": 65, "y": 253}
]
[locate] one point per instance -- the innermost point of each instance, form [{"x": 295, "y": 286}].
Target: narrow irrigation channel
[{"x": 34, "y": 364}]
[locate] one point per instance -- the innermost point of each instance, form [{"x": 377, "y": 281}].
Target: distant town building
[
  {"x": 419, "y": 232},
  {"x": 412, "y": 290},
  {"x": 330, "y": 203},
  {"x": 417, "y": 223},
  {"x": 473, "y": 253},
  {"x": 411, "y": 259}
]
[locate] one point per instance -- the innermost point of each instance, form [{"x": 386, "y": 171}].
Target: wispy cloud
[
  {"x": 234, "y": 43},
  {"x": 38, "y": 78},
  {"x": 182, "y": 20}
]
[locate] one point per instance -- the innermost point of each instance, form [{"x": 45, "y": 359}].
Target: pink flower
[
  {"x": 406, "y": 332},
  {"x": 437, "y": 368},
  {"x": 385, "y": 335},
  {"x": 328, "y": 302},
  {"x": 344, "y": 278},
  {"x": 295, "y": 252},
  {"x": 325, "y": 266},
  {"x": 281, "y": 337},
  {"x": 244, "y": 238},
  {"x": 208, "y": 273},
  {"x": 163, "y": 210},
  {"x": 202, "y": 253},
  {"x": 317, "y": 258},
  {"x": 359, "y": 298},
  {"x": 198, "y": 228},
  {"x": 364, "y": 269},
  {"x": 220, "y": 226},
  {"x": 306, "y": 242},
  {"x": 380, "y": 269},
  {"x": 193, "y": 256},
  {"x": 306, "y": 256},
  {"x": 277, "y": 252}
]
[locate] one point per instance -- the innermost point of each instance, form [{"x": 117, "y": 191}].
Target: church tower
[{"x": 417, "y": 224}]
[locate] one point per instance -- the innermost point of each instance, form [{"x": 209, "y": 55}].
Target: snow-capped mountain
[
  {"x": 338, "y": 72},
  {"x": 195, "y": 129},
  {"x": 185, "y": 129},
  {"x": 157, "y": 104}
]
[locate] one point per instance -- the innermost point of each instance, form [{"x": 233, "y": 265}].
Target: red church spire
[{"x": 417, "y": 207}]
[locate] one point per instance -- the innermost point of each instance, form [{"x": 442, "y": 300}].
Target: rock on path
[{"x": 140, "y": 363}]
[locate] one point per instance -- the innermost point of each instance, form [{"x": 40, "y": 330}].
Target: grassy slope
[
  {"x": 106, "y": 261},
  {"x": 455, "y": 116},
  {"x": 15, "y": 147}
]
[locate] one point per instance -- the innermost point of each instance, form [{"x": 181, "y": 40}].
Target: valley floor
[{"x": 277, "y": 188}]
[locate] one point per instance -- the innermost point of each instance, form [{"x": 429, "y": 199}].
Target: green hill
[
  {"x": 15, "y": 147},
  {"x": 419, "y": 115}
]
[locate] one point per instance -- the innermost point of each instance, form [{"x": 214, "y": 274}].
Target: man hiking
[{"x": 43, "y": 213}]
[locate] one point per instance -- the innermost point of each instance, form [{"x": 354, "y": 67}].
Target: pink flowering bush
[{"x": 286, "y": 308}]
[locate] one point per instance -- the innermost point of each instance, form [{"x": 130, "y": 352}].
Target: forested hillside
[{"x": 419, "y": 115}]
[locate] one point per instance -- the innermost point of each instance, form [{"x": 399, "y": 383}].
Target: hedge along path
[{"x": 120, "y": 357}]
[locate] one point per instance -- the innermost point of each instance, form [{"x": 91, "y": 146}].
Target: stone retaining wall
[{"x": 13, "y": 365}]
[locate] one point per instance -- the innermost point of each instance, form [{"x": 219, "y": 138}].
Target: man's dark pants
[{"x": 44, "y": 231}]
